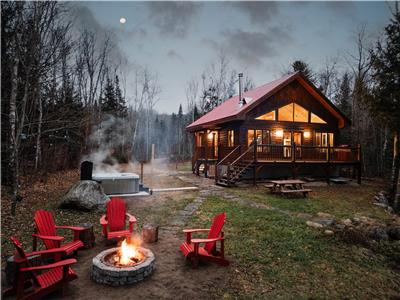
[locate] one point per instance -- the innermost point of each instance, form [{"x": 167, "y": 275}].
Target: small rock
[
  {"x": 394, "y": 232},
  {"x": 367, "y": 220},
  {"x": 340, "y": 226},
  {"x": 380, "y": 204},
  {"x": 314, "y": 224},
  {"x": 324, "y": 215},
  {"x": 378, "y": 233},
  {"x": 324, "y": 221},
  {"x": 347, "y": 222},
  {"x": 304, "y": 216},
  {"x": 328, "y": 232}
]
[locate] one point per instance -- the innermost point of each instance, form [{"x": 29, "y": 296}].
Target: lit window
[
  {"x": 285, "y": 113},
  {"x": 300, "y": 113},
  {"x": 323, "y": 139},
  {"x": 316, "y": 119},
  {"x": 231, "y": 138},
  {"x": 250, "y": 136},
  {"x": 270, "y": 116}
]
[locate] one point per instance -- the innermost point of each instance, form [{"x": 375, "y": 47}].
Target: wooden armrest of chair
[
  {"x": 198, "y": 241},
  {"x": 48, "y": 237},
  {"x": 58, "y": 264},
  {"x": 103, "y": 220},
  {"x": 74, "y": 228},
  {"x": 131, "y": 218},
  {"x": 49, "y": 251},
  {"x": 195, "y": 230}
]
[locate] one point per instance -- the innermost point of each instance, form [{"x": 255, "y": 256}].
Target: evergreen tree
[
  {"x": 385, "y": 103},
  {"x": 304, "y": 68},
  {"x": 196, "y": 113},
  {"x": 343, "y": 98},
  {"x": 122, "y": 109},
  {"x": 109, "y": 102}
]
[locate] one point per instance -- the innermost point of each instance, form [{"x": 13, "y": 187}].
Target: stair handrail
[
  {"x": 222, "y": 160},
  {"x": 229, "y": 154},
  {"x": 243, "y": 154}
]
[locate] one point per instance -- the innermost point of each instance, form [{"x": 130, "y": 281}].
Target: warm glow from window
[
  {"x": 270, "y": 116},
  {"x": 316, "y": 119},
  {"x": 285, "y": 113},
  {"x": 210, "y": 135},
  {"x": 231, "y": 138},
  {"x": 250, "y": 136},
  {"x": 300, "y": 113},
  {"x": 279, "y": 133},
  {"x": 307, "y": 134}
]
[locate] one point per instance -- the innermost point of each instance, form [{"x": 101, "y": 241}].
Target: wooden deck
[{"x": 237, "y": 160}]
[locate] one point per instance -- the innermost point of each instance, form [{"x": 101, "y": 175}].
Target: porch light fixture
[
  {"x": 210, "y": 135},
  {"x": 279, "y": 133},
  {"x": 306, "y": 134}
]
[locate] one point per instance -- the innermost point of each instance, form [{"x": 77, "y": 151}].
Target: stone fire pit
[{"x": 105, "y": 272}]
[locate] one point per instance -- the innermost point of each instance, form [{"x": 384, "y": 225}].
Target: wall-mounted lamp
[
  {"x": 306, "y": 134},
  {"x": 279, "y": 133},
  {"x": 210, "y": 135}
]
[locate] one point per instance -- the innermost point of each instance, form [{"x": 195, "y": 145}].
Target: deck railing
[{"x": 281, "y": 153}]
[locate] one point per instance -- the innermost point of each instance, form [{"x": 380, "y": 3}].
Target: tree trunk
[
  {"x": 13, "y": 137},
  {"x": 39, "y": 130},
  {"x": 394, "y": 180}
]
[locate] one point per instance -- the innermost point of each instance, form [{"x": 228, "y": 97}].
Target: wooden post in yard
[
  {"x": 141, "y": 171},
  {"x": 359, "y": 164}
]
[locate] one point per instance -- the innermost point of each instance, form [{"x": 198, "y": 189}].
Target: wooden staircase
[{"x": 234, "y": 166}]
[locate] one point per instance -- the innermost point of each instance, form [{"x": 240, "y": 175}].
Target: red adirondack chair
[
  {"x": 191, "y": 247},
  {"x": 46, "y": 230},
  {"x": 36, "y": 282},
  {"x": 114, "y": 221}
]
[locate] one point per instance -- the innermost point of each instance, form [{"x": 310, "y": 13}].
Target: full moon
[{"x": 122, "y": 20}]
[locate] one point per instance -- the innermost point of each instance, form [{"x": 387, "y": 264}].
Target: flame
[{"x": 129, "y": 251}]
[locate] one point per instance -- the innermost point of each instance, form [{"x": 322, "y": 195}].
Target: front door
[{"x": 287, "y": 143}]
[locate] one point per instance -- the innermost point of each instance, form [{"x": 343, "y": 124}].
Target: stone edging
[{"x": 116, "y": 276}]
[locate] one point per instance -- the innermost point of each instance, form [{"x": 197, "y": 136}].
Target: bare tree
[{"x": 191, "y": 91}]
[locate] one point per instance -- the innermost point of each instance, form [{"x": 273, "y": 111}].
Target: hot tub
[{"x": 118, "y": 183}]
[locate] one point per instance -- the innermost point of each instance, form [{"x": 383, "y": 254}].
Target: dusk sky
[{"x": 177, "y": 40}]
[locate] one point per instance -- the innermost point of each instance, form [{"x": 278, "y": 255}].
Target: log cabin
[{"x": 285, "y": 128}]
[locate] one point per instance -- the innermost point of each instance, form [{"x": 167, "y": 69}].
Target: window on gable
[
  {"x": 300, "y": 113},
  {"x": 285, "y": 113},
  {"x": 316, "y": 119},
  {"x": 270, "y": 116},
  {"x": 293, "y": 113}
]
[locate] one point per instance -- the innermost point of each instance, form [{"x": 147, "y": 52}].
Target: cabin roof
[{"x": 230, "y": 110}]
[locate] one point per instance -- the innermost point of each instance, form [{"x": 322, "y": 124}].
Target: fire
[{"x": 129, "y": 252}]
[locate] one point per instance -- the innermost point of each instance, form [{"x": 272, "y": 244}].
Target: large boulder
[{"x": 86, "y": 195}]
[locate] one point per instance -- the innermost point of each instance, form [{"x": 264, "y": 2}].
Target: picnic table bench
[{"x": 289, "y": 186}]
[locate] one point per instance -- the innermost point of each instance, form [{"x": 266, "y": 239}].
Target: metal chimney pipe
[{"x": 240, "y": 89}]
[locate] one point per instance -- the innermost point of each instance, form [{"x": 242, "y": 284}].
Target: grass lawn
[
  {"x": 342, "y": 201},
  {"x": 277, "y": 256}
]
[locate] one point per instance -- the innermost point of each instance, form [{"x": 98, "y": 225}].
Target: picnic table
[{"x": 290, "y": 186}]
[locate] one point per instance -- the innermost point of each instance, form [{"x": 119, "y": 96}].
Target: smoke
[{"x": 110, "y": 144}]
